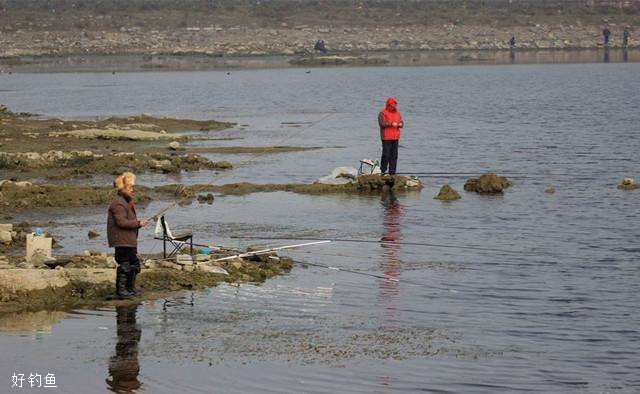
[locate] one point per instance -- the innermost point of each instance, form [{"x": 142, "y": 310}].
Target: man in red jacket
[{"x": 390, "y": 121}]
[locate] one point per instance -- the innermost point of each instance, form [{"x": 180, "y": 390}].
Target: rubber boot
[
  {"x": 131, "y": 282},
  {"x": 121, "y": 284}
]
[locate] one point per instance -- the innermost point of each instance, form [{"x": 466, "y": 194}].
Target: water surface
[{"x": 554, "y": 311}]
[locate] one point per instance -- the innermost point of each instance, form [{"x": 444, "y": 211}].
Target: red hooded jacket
[{"x": 387, "y": 117}]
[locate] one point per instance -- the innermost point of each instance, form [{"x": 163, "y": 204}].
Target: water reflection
[
  {"x": 124, "y": 366},
  {"x": 625, "y": 55},
  {"x": 392, "y": 223},
  {"x": 606, "y": 55}
]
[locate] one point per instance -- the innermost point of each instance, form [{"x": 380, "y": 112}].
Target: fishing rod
[
  {"x": 167, "y": 209},
  {"x": 269, "y": 250},
  {"x": 384, "y": 242},
  {"x": 385, "y": 277}
]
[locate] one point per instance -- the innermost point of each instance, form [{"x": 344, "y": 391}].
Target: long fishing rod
[
  {"x": 385, "y": 242},
  {"x": 167, "y": 209},
  {"x": 269, "y": 250},
  {"x": 385, "y": 277}
]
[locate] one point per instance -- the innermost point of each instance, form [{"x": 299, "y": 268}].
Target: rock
[
  {"x": 212, "y": 269},
  {"x": 170, "y": 265},
  {"x": 87, "y": 253},
  {"x": 628, "y": 184},
  {"x": 487, "y": 184},
  {"x": 206, "y": 198},
  {"x": 114, "y": 134},
  {"x": 447, "y": 193},
  {"x": 163, "y": 165},
  {"x": 222, "y": 165},
  {"x": 141, "y": 126},
  {"x": 174, "y": 145},
  {"x": 184, "y": 259},
  {"x": 550, "y": 190},
  {"x": 93, "y": 234},
  {"x": 111, "y": 262},
  {"x": 236, "y": 264},
  {"x": 5, "y": 237},
  {"x": 202, "y": 257},
  {"x": 24, "y": 265},
  {"x": 39, "y": 260},
  {"x": 4, "y": 264},
  {"x": 412, "y": 183}
]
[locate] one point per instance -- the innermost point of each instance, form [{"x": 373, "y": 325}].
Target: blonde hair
[{"x": 124, "y": 180}]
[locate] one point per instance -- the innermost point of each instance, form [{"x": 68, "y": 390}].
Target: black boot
[
  {"x": 121, "y": 284},
  {"x": 131, "y": 282}
]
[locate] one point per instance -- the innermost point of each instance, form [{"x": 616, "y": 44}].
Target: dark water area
[{"x": 550, "y": 307}]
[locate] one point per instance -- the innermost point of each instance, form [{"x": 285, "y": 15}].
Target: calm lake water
[{"x": 555, "y": 310}]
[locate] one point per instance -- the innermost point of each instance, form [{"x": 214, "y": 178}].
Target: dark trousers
[
  {"x": 389, "y": 156},
  {"x": 127, "y": 259}
]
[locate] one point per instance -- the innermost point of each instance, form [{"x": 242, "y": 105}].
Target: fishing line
[{"x": 259, "y": 155}]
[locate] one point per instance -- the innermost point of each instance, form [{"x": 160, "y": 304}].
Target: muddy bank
[
  {"x": 19, "y": 196},
  {"x": 335, "y": 60},
  {"x": 103, "y": 136},
  {"x": 364, "y": 184},
  {"x": 34, "y": 148},
  {"x": 74, "y": 164},
  {"x": 67, "y": 288}
]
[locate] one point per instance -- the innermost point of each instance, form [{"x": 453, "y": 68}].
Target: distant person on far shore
[
  {"x": 512, "y": 42},
  {"x": 319, "y": 46},
  {"x": 625, "y": 37},
  {"x": 391, "y": 123},
  {"x": 605, "y": 35}
]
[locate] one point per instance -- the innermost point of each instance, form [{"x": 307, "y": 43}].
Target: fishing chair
[
  {"x": 176, "y": 241},
  {"x": 368, "y": 167}
]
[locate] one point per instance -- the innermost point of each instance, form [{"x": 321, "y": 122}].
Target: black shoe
[
  {"x": 131, "y": 283},
  {"x": 121, "y": 285}
]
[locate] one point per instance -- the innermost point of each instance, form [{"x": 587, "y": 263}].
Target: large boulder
[
  {"x": 447, "y": 193},
  {"x": 487, "y": 184}
]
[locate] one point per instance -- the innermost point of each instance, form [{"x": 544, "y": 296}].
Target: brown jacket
[{"x": 122, "y": 224}]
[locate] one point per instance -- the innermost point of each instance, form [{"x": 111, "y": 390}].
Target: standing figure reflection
[
  {"x": 124, "y": 366},
  {"x": 393, "y": 213}
]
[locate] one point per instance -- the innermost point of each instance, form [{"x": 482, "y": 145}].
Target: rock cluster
[
  {"x": 206, "y": 198},
  {"x": 377, "y": 182},
  {"x": 487, "y": 184}
]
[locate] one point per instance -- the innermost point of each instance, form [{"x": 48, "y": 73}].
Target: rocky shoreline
[
  {"x": 224, "y": 41},
  {"x": 89, "y": 281}
]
